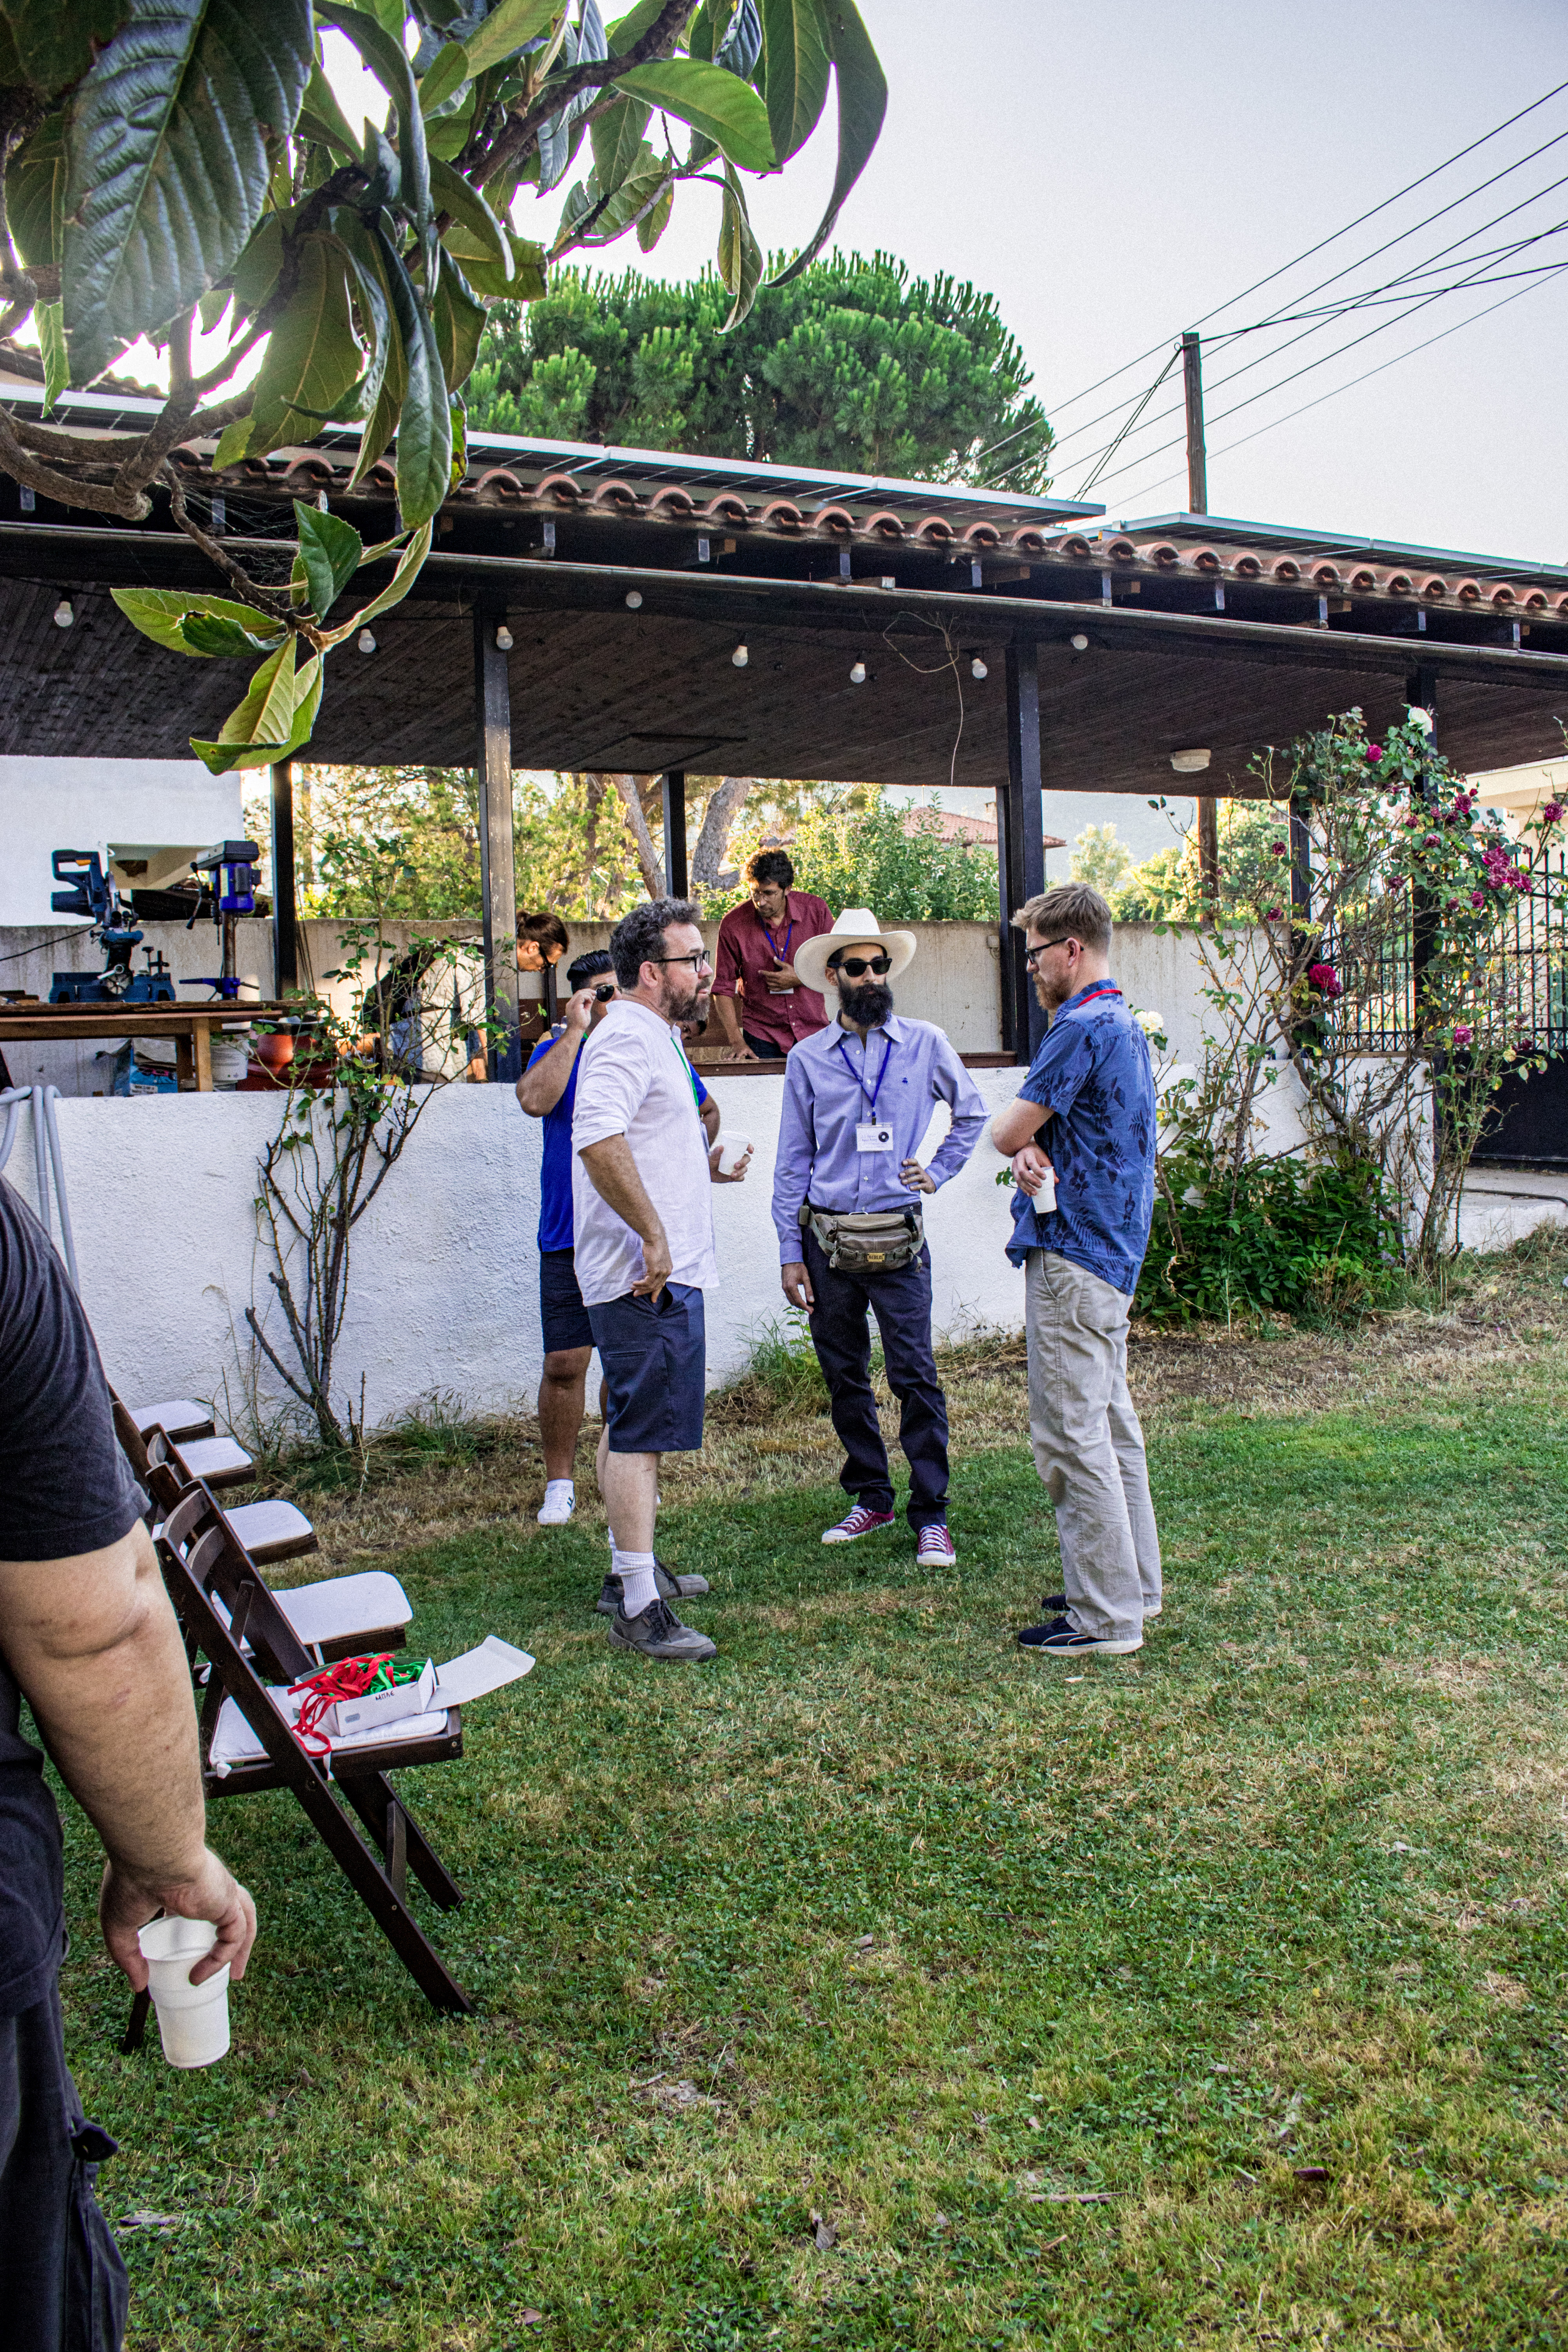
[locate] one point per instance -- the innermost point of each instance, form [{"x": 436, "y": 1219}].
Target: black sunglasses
[
  {"x": 1033, "y": 955},
  {"x": 858, "y": 965}
]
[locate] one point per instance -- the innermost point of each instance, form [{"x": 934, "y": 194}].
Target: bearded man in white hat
[{"x": 858, "y": 1101}]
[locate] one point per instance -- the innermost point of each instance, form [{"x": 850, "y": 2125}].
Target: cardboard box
[{"x": 347, "y": 1716}]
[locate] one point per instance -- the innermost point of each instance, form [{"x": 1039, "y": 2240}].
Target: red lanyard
[{"x": 1097, "y": 988}]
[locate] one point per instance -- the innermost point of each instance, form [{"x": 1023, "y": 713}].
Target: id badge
[{"x": 873, "y": 1135}]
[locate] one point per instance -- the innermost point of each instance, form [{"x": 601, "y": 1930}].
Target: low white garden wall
[{"x": 443, "y": 1292}]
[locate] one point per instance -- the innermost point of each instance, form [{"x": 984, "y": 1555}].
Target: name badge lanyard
[
  {"x": 690, "y": 1072},
  {"x": 865, "y": 1128},
  {"x": 780, "y": 955},
  {"x": 1099, "y": 988}
]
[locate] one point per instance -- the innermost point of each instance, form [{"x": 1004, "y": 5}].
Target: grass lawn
[{"x": 880, "y": 1986}]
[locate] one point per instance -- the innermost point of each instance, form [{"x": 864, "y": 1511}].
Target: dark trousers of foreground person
[
  {"x": 62, "y": 2282},
  {"x": 901, "y": 1305}
]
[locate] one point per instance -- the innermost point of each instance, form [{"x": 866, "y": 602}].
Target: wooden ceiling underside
[{"x": 606, "y": 688}]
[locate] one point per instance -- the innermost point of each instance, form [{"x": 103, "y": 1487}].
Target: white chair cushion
[
  {"x": 340, "y": 1606},
  {"x": 272, "y": 1530},
  {"x": 179, "y": 1417},
  {"x": 215, "y": 1457}
]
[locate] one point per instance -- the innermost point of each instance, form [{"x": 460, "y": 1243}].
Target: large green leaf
[
  {"x": 312, "y": 362},
  {"x": 424, "y": 420},
  {"x": 388, "y": 61},
  {"x": 275, "y": 717},
  {"x": 329, "y": 118},
  {"x": 652, "y": 224},
  {"x": 255, "y": 271},
  {"x": 459, "y": 323},
  {"x": 453, "y": 194},
  {"x": 740, "y": 256},
  {"x": 166, "y": 142},
  {"x": 617, "y": 140},
  {"x": 506, "y": 28},
  {"x": 524, "y": 284},
  {"x": 35, "y": 190},
  {"x": 373, "y": 294},
  {"x": 449, "y": 70},
  {"x": 795, "y": 51},
  {"x": 862, "y": 103},
  {"x": 719, "y": 104},
  {"x": 52, "y": 344},
  {"x": 54, "y": 41},
  {"x": 160, "y": 614},
  {"x": 397, "y": 587},
  {"x": 329, "y": 555}
]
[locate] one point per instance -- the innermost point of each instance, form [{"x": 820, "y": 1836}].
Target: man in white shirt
[{"x": 641, "y": 1171}]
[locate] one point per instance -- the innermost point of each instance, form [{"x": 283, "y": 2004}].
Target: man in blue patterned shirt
[{"x": 1080, "y": 1226}]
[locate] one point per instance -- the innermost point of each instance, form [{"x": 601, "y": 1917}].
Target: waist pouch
[{"x": 877, "y": 1241}]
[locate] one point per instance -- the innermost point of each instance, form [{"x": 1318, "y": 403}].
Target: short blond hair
[{"x": 1070, "y": 910}]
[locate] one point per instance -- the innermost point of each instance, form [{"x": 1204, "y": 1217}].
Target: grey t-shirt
[{"x": 64, "y": 1488}]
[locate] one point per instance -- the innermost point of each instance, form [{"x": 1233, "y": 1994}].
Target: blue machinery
[{"x": 229, "y": 874}]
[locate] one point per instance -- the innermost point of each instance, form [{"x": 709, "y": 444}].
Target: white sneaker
[{"x": 560, "y": 1503}]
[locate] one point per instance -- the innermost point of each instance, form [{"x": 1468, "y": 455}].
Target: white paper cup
[
  {"x": 732, "y": 1149},
  {"x": 1046, "y": 1198},
  {"x": 193, "y": 2019}
]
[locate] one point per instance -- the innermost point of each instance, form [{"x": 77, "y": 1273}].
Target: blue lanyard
[
  {"x": 858, "y": 1076},
  {"x": 780, "y": 955}
]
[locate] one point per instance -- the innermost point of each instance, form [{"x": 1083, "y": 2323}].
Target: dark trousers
[
  {"x": 901, "y": 1305},
  {"x": 61, "y": 2277}
]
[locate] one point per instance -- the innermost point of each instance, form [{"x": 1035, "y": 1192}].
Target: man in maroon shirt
[{"x": 756, "y": 941}]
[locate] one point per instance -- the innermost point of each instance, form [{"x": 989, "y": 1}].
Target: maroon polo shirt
[{"x": 747, "y": 948}]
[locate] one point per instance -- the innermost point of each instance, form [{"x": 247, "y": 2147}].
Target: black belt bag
[{"x": 877, "y": 1241}]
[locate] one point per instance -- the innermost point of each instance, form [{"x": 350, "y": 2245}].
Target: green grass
[{"x": 1283, "y": 1892}]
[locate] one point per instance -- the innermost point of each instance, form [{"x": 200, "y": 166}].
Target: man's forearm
[
  {"x": 729, "y": 1021},
  {"x": 96, "y": 1645},
  {"x": 613, "y": 1172},
  {"x": 541, "y": 1088}
]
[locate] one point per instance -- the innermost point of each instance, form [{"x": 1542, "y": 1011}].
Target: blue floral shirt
[{"x": 1093, "y": 1072}]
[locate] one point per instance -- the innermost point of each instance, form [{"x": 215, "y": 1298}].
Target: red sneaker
[
  {"x": 935, "y": 1548},
  {"x": 858, "y": 1522}
]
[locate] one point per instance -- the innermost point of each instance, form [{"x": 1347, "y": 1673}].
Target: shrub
[{"x": 1276, "y": 1236}]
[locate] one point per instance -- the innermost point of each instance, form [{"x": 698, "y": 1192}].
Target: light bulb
[
  {"x": 64, "y": 613},
  {"x": 503, "y": 639},
  {"x": 1080, "y": 645},
  {"x": 634, "y": 600},
  {"x": 977, "y": 668},
  {"x": 858, "y": 673},
  {"x": 366, "y": 642},
  {"x": 739, "y": 656}
]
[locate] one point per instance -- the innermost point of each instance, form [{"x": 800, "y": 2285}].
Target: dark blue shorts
[
  {"x": 561, "y": 1309},
  {"x": 655, "y": 1362}
]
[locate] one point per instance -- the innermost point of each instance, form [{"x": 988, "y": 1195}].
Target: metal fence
[{"x": 1525, "y": 990}]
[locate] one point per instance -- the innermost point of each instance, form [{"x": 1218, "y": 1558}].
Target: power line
[
  {"x": 1365, "y": 377},
  {"x": 1258, "y": 285},
  {"x": 1382, "y": 368}
]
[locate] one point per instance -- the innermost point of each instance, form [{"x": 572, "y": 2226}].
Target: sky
[{"x": 1116, "y": 172}]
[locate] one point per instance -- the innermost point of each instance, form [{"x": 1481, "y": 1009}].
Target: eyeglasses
[
  {"x": 1032, "y": 955},
  {"x": 700, "y": 961},
  {"x": 858, "y": 965}
]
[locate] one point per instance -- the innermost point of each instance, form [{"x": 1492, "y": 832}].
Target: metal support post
[
  {"x": 1021, "y": 849},
  {"x": 285, "y": 920},
  {"x": 677, "y": 881},
  {"x": 498, "y": 890}
]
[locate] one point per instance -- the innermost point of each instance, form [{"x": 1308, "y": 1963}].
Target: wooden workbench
[{"x": 190, "y": 1027}]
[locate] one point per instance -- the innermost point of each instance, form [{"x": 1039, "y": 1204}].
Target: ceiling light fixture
[
  {"x": 858, "y": 673},
  {"x": 634, "y": 600},
  {"x": 1078, "y": 644},
  {"x": 366, "y": 642},
  {"x": 503, "y": 639},
  {"x": 977, "y": 668},
  {"x": 1189, "y": 763},
  {"x": 64, "y": 613},
  {"x": 739, "y": 656}
]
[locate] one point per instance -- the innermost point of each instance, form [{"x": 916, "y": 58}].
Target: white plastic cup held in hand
[
  {"x": 193, "y": 2019},
  {"x": 1046, "y": 1198},
  {"x": 732, "y": 1149}
]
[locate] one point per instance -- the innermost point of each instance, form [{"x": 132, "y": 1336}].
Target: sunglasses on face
[
  {"x": 1032, "y": 955},
  {"x": 856, "y": 966}
]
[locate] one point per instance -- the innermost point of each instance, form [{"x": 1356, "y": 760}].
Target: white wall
[
  {"x": 443, "y": 1287},
  {"x": 50, "y": 805}
]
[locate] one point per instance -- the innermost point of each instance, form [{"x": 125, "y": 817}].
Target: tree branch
[
  {"x": 522, "y": 131},
  {"x": 276, "y": 608},
  {"x": 68, "y": 489}
]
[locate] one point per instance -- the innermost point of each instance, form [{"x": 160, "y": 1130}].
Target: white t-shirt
[{"x": 634, "y": 1079}]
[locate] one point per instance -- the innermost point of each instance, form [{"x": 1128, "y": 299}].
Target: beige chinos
[{"x": 1089, "y": 1448}]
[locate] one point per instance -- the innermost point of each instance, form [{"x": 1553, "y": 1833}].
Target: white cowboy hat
[{"x": 855, "y": 926}]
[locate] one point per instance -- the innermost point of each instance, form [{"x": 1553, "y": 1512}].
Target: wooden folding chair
[
  {"x": 231, "y": 1619},
  {"x": 270, "y": 1530}
]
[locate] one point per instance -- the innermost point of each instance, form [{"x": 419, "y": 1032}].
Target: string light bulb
[
  {"x": 65, "y": 613},
  {"x": 634, "y": 600},
  {"x": 1078, "y": 644},
  {"x": 858, "y": 673},
  {"x": 366, "y": 642},
  {"x": 741, "y": 657},
  {"x": 977, "y": 668},
  {"x": 503, "y": 639}
]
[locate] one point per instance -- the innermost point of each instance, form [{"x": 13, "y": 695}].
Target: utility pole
[{"x": 1199, "y": 503}]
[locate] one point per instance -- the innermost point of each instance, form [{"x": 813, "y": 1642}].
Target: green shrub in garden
[{"x": 1280, "y": 1236}]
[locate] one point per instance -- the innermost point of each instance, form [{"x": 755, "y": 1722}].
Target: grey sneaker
[
  {"x": 670, "y": 1587},
  {"x": 658, "y": 1634}
]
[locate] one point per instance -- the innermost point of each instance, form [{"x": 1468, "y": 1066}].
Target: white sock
[{"x": 638, "y": 1586}]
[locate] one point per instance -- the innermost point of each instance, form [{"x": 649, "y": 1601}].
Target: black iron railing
[{"x": 1522, "y": 985}]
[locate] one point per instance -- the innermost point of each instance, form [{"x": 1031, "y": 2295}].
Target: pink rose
[
  {"x": 1477, "y": 898},
  {"x": 1373, "y": 753},
  {"x": 1463, "y": 1034},
  {"x": 1552, "y": 813},
  {"x": 1325, "y": 980},
  {"x": 1272, "y": 916}
]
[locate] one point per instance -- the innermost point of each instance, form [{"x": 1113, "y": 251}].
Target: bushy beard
[{"x": 867, "y": 1004}]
